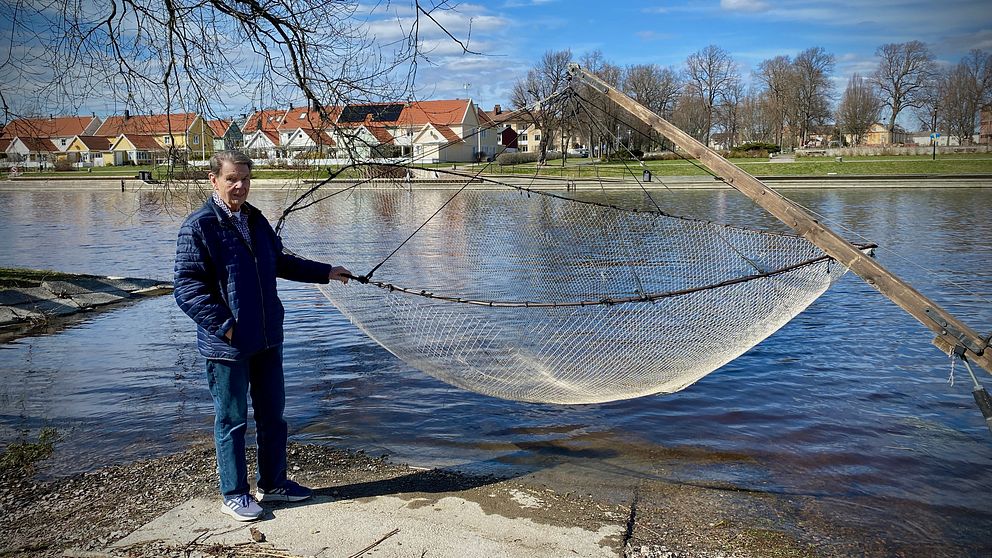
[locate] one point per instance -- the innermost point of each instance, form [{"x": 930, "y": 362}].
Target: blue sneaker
[
  {"x": 242, "y": 508},
  {"x": 288, "y": 492}
]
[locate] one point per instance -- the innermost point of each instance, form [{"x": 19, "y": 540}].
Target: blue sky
[
  {"x": 512, "y": 35},
  {"x": 515, "y": 33}
]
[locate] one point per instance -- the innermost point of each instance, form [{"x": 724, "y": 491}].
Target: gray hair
[{"x": 233, "y": 156}]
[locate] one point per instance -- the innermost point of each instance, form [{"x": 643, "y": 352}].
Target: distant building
[
  {"x": 88, "y": 151},
  {"x": 226, "y": 134},
  {"x": 517, "y": 130},
  {"x": 58, "y": 129},
  {"x": 425, "y": 131},
  {"x": 31, "y": 152},
  {"x": 879, "y": 134},
  {"x": 179, "y": 135}
]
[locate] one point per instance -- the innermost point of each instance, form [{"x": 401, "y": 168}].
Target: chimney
[
  {"x": 127, "y": 114},
  {"x": 497, "y": 109}
]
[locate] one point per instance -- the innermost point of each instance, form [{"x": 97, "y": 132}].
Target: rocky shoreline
[{"x": 33, "y": 301}]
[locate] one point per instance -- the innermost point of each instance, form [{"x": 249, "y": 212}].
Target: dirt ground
[{"x": 83, "y": 515}]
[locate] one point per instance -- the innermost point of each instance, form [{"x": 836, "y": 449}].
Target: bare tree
[
  {"x": 187, "y": 53},
  {"x": 539, "y": 95},
  {"x": 729, "y": 112},
  {"x": 776, "y": 74},
  {"x": 977, "y": 66},
  {"x": 657, "y": 89},
  {"x": 903, "y": 72},
  {"x": 709, "y": 72},
  {"x": 757, "y": 123},
  {"x": 692, "y": 115},
  {"x": 978, "y": 63},
  {"x": 599, "y": 116},
  {"x": 811, "y": 89},
  {"x": 859, "y": 108},
  {"x": 960, "y": 108}
]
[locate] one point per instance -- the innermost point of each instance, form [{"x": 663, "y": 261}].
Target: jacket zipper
[{"x": 258, "y": 277}]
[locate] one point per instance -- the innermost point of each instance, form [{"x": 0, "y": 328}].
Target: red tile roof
[
  {"x": 272, "y": 136},
  {"x": 320, "y": 137},
  {"x": 61, "y": 126},
  {"x": 484, "y": 119},
  {"x": 96, "y": 143},
  {"x": 510, "y": 116},
  {"x": 150, "y": 124},
  {"x": 309, "y": 119},
  {"x": 4, "y": 143},
  {"x": 37, "y": 144},
  {"x": 143, "y": 142},
  {"x": 219, "y": 127},
  {"x": 448, "y": 112},
  {"x": 381, "y": 134},
  {"x": 448, "y": 134},
  {"x": 269, "y": 119}
]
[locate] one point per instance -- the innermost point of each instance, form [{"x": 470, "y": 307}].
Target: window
[
  {"x": 303, "y": 115},
  {"x": 537, "y": 137},
  {"x": 63, "y": 142},
  {"x": 196, "y": 139},
  {"x": 168, "y": 140},
  {"x": 522, "y": 136}
]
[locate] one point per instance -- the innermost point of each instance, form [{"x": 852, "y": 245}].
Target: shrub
[
  {"x": 759, "y": 145},
  {"x": 661, "y": 156},
  {"x": 737, "y": 153},
  {"x": 63, "y": 165},
  {"x": 517, "y": 158}
]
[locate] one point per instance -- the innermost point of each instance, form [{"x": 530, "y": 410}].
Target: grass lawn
[
  {"x": 811, "y": 166},
  {"x": 963, "y": 163}
]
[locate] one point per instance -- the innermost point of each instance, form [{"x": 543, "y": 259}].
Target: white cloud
[
  {"x": 744, "y": 5},
  {"x": 525, "y": 3},
  {"x": 648, "y": 36}
]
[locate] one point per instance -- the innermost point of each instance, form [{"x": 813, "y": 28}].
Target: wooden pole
[{"x": 953, "y": 336}]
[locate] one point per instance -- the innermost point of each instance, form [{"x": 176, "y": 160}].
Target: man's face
[{"x": 232, "y": 183}]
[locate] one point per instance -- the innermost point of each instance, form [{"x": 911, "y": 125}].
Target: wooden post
[{"x": 952, "y": 334}]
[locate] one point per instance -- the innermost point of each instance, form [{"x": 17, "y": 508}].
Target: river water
[{"x": 848, "y": 403}]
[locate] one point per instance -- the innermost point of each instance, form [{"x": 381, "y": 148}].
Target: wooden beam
[{"x": 951, "y": 332}]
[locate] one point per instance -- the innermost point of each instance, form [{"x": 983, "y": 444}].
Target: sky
[
  {"x": 513, "y": 34},
  {"x": 508, "y": 37}
]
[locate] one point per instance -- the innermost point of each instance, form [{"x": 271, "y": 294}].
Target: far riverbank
[{"x": 543, "y": 183}]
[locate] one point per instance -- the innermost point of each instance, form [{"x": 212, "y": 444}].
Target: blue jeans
[{"x": 230, "y": 383}]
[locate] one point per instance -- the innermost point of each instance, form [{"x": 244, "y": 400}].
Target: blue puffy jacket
[{"x": 221, "y": 281}]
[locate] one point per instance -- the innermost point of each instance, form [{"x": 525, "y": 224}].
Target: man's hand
[
  {"x": 229, "y": 334},
  {"x": 339, "y": 273}
]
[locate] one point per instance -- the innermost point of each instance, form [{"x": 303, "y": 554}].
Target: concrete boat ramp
[
  {"x": 445, "y": 525},
  {"x": 33, "y": 300}
]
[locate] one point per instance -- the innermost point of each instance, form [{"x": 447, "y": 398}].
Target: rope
[{"x": 650, "y": 297}]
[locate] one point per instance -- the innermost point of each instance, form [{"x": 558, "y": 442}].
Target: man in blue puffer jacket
[{"x": 227, "y": 261}]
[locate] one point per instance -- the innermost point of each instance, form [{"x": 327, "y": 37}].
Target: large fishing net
[{"x": 536, "y": 297}]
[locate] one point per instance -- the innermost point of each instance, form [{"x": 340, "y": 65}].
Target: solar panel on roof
[{"x": 379, "y": 113}]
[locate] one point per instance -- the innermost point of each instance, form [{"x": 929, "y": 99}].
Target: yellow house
[
  {"x": 878, "y": 134},
  {"x": 182, "y": 134},
  {"x": 88, "y": 151},
  {"x": 133, "y": 149}
]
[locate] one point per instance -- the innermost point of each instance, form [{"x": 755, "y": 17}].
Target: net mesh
[{"x": 539, "y": 298}]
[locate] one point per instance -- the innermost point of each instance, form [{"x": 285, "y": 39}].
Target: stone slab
[{"x": 394, "y": 526}]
